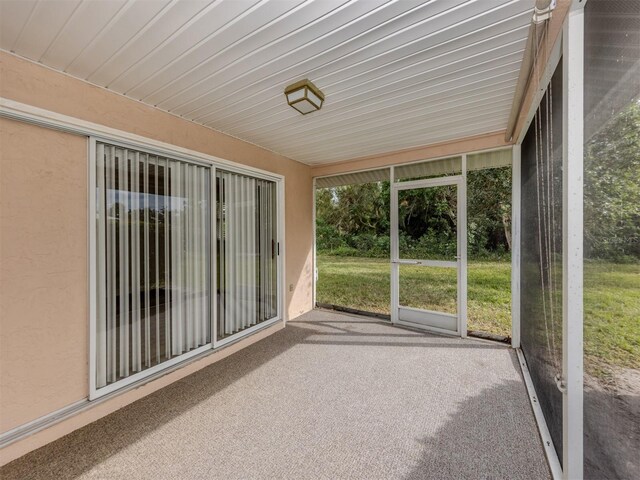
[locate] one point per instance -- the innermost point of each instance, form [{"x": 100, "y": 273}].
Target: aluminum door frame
[{"x": 461, "y": 258}]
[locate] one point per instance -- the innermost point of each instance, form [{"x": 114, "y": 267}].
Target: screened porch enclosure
[
  {"x": 570, "y": 218},
  {"x": 435, "y": 273},
  {"x": 430, "y": 234}
]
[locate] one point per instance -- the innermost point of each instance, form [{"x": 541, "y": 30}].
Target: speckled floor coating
[{"x": 331, "y": 396}]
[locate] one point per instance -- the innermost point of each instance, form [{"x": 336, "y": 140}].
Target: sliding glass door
[
  {"x": 153, "y": 261},
  {"x": 186, "y": 259},
  {"x": 247, "y": 252}
]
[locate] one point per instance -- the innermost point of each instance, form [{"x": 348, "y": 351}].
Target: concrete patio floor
[{"x": 331, "y": 396}]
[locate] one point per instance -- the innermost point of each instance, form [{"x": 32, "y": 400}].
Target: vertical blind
[
  {"x": 153, "y": 260},
  {"x": 246, "y": 252}
]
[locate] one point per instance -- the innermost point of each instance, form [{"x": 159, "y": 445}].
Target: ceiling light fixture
[{"x": 304, "y": 96}]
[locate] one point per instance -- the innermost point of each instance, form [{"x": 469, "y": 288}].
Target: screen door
[{"x": 428, "y": 254}]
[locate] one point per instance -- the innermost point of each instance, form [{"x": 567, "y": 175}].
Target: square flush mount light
[{"x": 304, "y": 96}]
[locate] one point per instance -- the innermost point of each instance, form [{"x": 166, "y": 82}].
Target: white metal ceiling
[{"x": 396, "y": 74}]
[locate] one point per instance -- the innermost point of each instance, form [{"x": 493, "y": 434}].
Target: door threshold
[
  {"x": 489, "y": 336},
  {"x": 353, "y": 311}
]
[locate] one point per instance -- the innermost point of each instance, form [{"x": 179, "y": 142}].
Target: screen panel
[
  {"x": 612, "y": 239},
  {"x": 353, "y": 243},
  {"x": 428, "y": 288},
  {"x": 354, "y": 178},
  {"x": 428, "y": 223},
  {"x": 489, "y": 250},
  {"x": 541, "y": 254}
]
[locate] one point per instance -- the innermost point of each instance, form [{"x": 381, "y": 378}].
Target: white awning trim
[
  {"x": 492, "y": 159},
  {"x": 428, "y": 168},
  {"x": 355, "y": 178}
]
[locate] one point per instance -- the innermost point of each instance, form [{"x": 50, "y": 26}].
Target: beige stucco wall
[
  {"x": 43, "y": 235},
  {"x": 29, "y": 83},
  {"x": 43, "y": 271}
]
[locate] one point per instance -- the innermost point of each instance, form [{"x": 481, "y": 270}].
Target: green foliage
[
  {"x": 343, "y": 251},
  {"x": 353, "y": 220},
  {"x": 612, "y": 189},
  {"x": 489, "y": 212},
  {"x": 355, "y": 209}
]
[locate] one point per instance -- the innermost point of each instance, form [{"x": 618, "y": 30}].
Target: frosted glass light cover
[
  {"x": 314, "y": 98},
  {"x": 304, "y": 96},
  {"x": 295, "y": 95},
  {"x": 304, "y": 106}
]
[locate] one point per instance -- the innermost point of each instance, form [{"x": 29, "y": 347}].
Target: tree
[
  {"x": 355, "y": 218},
  {"x": 489, "y": 210},
  {"x": 612, "y": 188}
]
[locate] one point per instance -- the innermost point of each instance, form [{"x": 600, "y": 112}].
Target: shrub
[{"x": 346, "y": 252}]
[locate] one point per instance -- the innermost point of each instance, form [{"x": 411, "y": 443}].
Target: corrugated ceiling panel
[{"x": 396, "y": 74}]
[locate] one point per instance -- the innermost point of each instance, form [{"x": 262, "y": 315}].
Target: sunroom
[{"x": 320, "y": 239}]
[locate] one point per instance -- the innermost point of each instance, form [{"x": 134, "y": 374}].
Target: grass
[
  {"x": 364, "y": 284},
  {"x": 611, "y": 316},
  {"x": 611, "y": 300}
]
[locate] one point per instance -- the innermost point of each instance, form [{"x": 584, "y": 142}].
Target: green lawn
[
  {"x": 611, "y": 316},
  {"x": 364, "y": 284},
  {"x": 611, "y": 304}
]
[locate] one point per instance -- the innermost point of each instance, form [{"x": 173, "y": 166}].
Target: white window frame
[
  {"x": 572, "y": 242},
  {"x": 214, "y": 344},
  {"x": 279, "y": 282}
]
